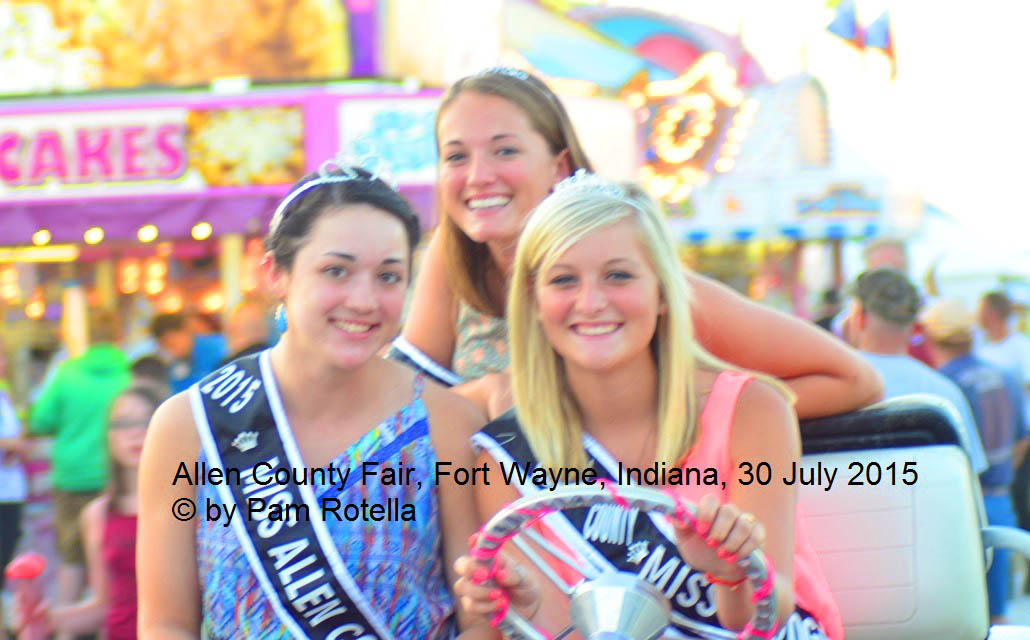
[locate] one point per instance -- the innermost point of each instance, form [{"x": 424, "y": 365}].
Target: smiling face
[
  {"x": 127, "y": 428},
  {"x": 599, "y": 302},
  {"x": 345, "y": 291},
  {"x": 494, "y": 166}
]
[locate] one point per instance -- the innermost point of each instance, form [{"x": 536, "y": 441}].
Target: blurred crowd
[
  {"x": 73, "y": 452},
  {"x": 68, "y": 458},
  {"x": 978, "y": 361}
]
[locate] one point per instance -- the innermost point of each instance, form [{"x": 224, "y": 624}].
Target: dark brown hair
[{"x": 290, "y": 228}]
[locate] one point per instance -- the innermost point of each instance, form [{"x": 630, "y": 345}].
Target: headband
[
  {"x": 584, "y": 182},
  {"x": 340, "y": 168}
]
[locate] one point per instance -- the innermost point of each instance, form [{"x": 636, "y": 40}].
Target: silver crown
[
  {"x": 505, "y": 71},
  {"x": 637, "y": 552},
  {"x": 585, "y": 182},
  {"x": 341, "y": 168},
  {"x": 246, "y": 440}
]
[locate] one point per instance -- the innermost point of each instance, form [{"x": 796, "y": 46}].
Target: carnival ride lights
[
  {"x": 41, "y": 237},
  {"x": 696, "y": 120},
  {"x": 722, "y": 165}
]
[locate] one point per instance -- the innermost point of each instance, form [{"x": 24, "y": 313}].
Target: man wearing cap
[
  {"x": 883, "y": 311},
  {"x": 997, "y": 402}
]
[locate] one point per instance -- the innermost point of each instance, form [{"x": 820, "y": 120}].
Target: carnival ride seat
[{"x": 901, "y": 532}]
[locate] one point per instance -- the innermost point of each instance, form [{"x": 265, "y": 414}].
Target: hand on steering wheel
[
  {"x": 486, "y": 595},
  {"x": 722, "y": 534},
  {"x": 735, "y": 553}
]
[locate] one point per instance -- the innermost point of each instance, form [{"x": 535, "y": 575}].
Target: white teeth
[
  {"x": 596, "y": 330},
  {"x": 484, "y": 203},
  {"x": 352, "y": 327}
]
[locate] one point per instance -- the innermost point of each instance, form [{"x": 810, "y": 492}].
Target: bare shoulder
[
  {"x": 452, "y": 418},
  {"x": 93, "y": 513},
  {"x": 171, "y": 441},
  {"x": 171, "y": 437},
  {"x": 491, "y": 497},
  {"x": 169, "y": 594},
  {"x": 764, "y": 418}
]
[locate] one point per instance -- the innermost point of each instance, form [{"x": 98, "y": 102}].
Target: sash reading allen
[{"x": 242, "y": 426}]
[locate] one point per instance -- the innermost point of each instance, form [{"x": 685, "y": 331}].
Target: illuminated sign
[
  {"x": 92, "y": 154},
  {"x": 841, "y": 201},
  {"x": 148, "y": 151},
  {"x": 693, "y": 124},
  {"x": 52, "y": 253}
]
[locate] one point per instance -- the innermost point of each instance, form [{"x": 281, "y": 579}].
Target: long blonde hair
[
  {"x": 468, "y": 262},
  {"x": 544, "y": 402}
]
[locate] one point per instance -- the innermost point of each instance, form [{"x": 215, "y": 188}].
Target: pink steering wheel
[{"x": 649, "y": 609}]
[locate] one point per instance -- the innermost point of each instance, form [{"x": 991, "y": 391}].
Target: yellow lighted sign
[{"x": 50, "y": 253}]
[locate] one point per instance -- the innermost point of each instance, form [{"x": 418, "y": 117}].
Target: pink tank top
[
  {"x": 712, "y": 449},
  {"x": 119, "y": 555}
]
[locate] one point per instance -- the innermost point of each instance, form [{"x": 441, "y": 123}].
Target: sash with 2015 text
[{"x": 242, "y": 425}]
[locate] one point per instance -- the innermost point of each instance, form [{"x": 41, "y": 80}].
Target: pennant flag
[
  {"x": 845, "y": 25},
  {"x": 878, "y": 36}
]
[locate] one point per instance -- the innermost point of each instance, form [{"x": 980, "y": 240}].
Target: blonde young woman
[
  {"x": 504, "y": 140},
  {"x": 607, "y": 374}
]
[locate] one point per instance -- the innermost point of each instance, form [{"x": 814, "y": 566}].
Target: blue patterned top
[{"x": 397, "y": 565}]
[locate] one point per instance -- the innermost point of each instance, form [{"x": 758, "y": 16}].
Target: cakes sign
[
  {"x": 83, "y": 149},
  {"x": 89, "y": 154}
]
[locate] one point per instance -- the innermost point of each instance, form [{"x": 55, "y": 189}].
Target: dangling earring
[{"x": 280, "y": 318}]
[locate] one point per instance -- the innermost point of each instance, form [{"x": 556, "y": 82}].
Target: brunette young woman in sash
[
  {"x": 607, "y": 375},
  {"x": 504, "y": 140},
  {"x": 292, "y": 492}
]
